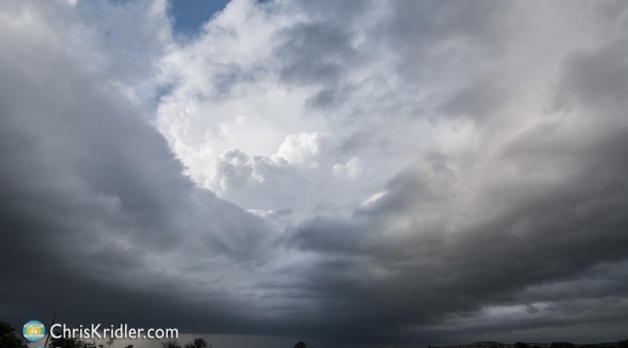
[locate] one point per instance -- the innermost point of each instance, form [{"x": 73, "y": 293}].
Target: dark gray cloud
[
  {"x": 92, "y": 198},
  {"x": 597, "y": 77},
  {"x": 516, "y": 226},
  {"x": 560, "y": 219}
]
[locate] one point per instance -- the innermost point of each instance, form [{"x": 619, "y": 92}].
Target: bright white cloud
[{"x": 302, "y": 149}]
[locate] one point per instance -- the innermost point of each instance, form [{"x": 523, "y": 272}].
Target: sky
[
  {"x": 346, "y": 173},
  {"x": 187, "y": 16}
]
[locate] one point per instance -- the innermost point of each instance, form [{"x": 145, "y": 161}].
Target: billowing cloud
[
  {"x": 355, "y": 173},
  {"x": 97, "y": 217}
]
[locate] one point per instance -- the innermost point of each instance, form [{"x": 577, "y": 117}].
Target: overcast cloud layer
[{"x": 347, "y": 173}]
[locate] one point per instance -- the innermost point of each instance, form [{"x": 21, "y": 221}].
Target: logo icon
[{"x": 34, "y": 331}]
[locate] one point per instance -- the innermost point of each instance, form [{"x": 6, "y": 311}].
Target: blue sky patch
[{"x": 189, "y": 15}]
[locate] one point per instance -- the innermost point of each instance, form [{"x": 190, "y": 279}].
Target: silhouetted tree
[
  {"x": 198, "y": 343},
  {"x": 69, "y": 343},
  {"x": 8, "y": 338},
  {"x": 521, "y": 345},
  {"x": 170, "y": 344},
  {"x": 563, "y": 345},
  {"x": 300, "y": 344},
  {"x": 623, "y": 344}
]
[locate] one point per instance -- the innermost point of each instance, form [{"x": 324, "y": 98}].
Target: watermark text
[{"x": 122, "y": 331}]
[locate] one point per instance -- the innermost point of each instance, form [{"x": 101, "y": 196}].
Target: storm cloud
[{"x": 354, "y": 173}]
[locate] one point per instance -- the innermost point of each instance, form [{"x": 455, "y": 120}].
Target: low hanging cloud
[
  {"x": 479, "y": 147},
  {"x": 357, "y": 172},
  {"x": 97, "y": 217}
]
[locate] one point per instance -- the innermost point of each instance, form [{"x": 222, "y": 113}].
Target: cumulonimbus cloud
[{"x": 365, "y": 172}]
